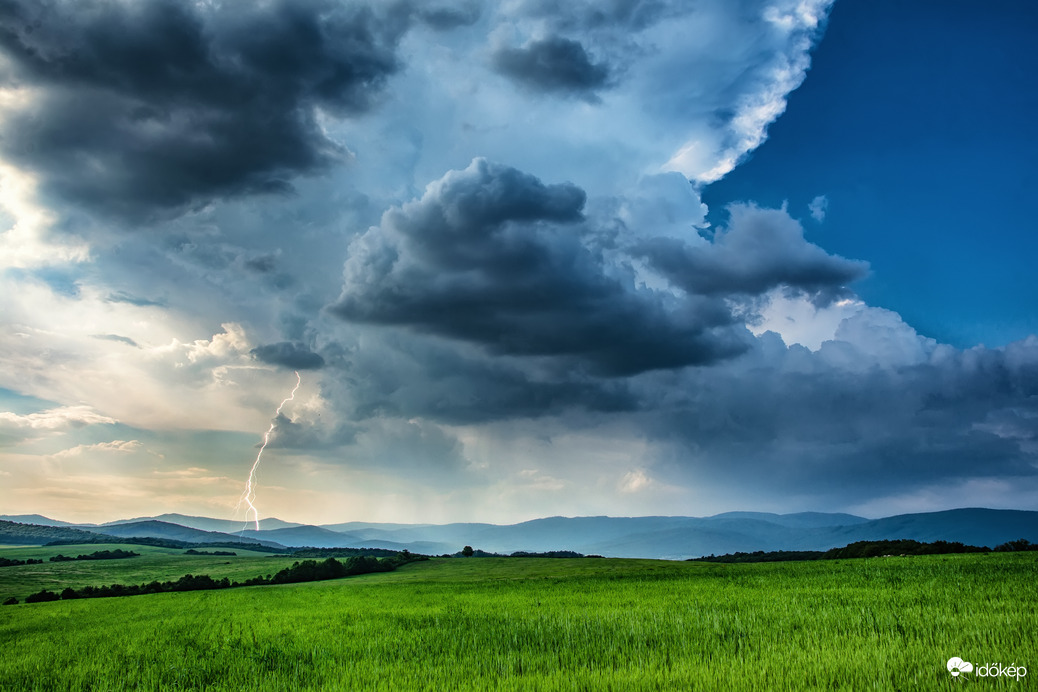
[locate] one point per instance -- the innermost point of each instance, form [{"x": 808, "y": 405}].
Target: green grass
[
  {"x": 162, "y": 564},
  {"x": 545, "y": 624}
]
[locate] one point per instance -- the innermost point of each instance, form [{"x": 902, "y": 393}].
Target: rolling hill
[
  {"x": 19, "y": 533},
  {"x": 162, "y": 529}
]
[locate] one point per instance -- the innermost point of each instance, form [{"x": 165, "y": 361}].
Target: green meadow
[
  {"x": 161, "y": 564},
  {"x": 532, "y": 624}
]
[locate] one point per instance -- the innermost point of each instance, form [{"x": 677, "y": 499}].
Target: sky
[{"x": 624, "y": 257}]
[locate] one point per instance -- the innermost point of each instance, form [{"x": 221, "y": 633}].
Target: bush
[
  {"x": 42, "y": 597},
  {"x": 10, "y": 600}
]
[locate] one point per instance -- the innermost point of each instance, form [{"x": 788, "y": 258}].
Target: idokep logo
[{"x": 957, "y": 667}]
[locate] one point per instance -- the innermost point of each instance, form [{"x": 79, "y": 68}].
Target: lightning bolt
[{"x": 249, "y": 496}]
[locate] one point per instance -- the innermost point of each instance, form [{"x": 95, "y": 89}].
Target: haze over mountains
[{"x": 647, "y": 537}]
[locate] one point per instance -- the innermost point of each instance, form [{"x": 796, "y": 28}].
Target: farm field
[{"x": 545, "y": 624}]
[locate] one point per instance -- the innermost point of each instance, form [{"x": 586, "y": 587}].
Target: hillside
[
  {"x": 798, "y": 519},
  {"x": 161, "y": 529},
  {"x": 36, "y": 519},
  {"x": 15, "y": 533}
]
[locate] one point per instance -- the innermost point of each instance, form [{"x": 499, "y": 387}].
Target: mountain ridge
[
  {"x": 177, "y": 532},
  {"x": 207, "y": 523},
  {"x": 667, "y": 537}
]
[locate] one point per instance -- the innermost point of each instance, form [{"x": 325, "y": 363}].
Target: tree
[
  {"x": 1013, "y": 546},
  {"x": 467, "y": 551}
]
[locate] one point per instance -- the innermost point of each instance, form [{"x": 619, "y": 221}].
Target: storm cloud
[
  {"x": 404, "y": 375},
  {"x": 554, "y": 65},
  {"x": 135, "y": 108},
  {"x": 294, "y": 355},
  {"x": 877, "y": 410},
  {"x": 759, "y": 250},
  {"x": 493, "y": 256}
]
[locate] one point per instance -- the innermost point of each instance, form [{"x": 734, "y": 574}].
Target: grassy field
[
  {"x": 544, "y": 624},
  {"x": 160, "y": 564}
]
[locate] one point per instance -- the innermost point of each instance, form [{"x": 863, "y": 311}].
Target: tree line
[
  {"x": 117, "y": 554},
  {"x": 11, "y": 562},
  {"x": 901, "y": 547},
  {"x": 344, "y": 552},
  {"x": 305, "y": 571},
  {"x": 469, "y": 551}
]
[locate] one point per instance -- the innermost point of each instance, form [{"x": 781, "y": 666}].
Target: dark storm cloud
[
  {"x": 140, "y": 107},
  {"x": 761, "y": 249},
  {"x": 494, "y": 257},
  {"x": 817, "y": 424},
  {"x": 294, "y": 355},
  {"x": 406, "y": 376},
  {"x": 553, "y": 65},
  {"x": 267, "y": 267},
  {"x": 263, "y": 264}
]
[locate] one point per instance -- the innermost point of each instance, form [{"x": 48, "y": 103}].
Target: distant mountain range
[
  {"x": 649, "y": 537},
  {"x": 206, "y": 524},
  {"x": 164, "y": 529}
]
